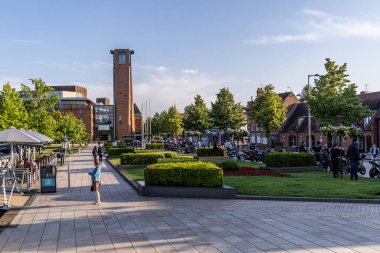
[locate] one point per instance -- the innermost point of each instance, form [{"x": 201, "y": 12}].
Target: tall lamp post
[{"x": 308, "y": 109}]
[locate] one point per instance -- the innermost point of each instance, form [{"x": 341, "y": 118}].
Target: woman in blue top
[{"x": 96, "y": 175}]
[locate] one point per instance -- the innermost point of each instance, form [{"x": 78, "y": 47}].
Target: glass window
[{"x": 122, "y": 58}]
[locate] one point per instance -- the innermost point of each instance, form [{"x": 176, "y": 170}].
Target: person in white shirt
[{"x": 374, "y": 151}]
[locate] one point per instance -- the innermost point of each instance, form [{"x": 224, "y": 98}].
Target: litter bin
[{"x": 48, "y": 179}]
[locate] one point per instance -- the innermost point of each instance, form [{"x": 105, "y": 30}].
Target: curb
[
  {"x": 129, "y": 181},
  {"x": 310, "y": 199}
]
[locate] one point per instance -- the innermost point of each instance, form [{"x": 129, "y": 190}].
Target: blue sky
[{"x": 184, "y": 48}]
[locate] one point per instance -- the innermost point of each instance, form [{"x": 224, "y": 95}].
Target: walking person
[
  {"x": 96, "y": 176},
  {"x": 95, "y": 153},
  {"x": 374, "y": 151},
  {"x": 353, "y": 156},
  {"x": 100, "y": 152}
]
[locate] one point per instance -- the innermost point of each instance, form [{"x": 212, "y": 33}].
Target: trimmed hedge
[
  {"x": 134, "y": 159},
  {"x": 287, "y": 159},
  {"x": 228, "y": 165},
  {"x": 178, "y": 159},
  {"x": 155, "y": 146},
  {"x": 190, "y": 174},
  {"x": 119, "y": 151},
  {"x": 202, "y": 152}
]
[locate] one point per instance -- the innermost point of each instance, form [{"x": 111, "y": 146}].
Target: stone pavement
[{"x": 67, "y": 221}]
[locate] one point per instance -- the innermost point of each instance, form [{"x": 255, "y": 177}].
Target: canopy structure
[
  {"x": 18, "y": 136},
  {"x": 42, "y": 136}
]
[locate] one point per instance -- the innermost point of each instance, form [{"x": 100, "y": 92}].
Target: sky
[{"x": 184, "y": 48}]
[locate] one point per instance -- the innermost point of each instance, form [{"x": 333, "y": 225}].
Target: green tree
[
  {"x": 40, "y": 103},
  {"x": 268, "y": 111},
  {"x": 197, "y": 116},
  {"x": 69, "y": 126},
  {"x": 333, "y": 100},
  {"x": 12, "y": 110},
  {"x": 225, "y": 113},
  {"x": 173, "y": 121}
]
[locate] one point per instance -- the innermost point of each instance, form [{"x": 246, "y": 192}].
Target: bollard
[{"x": 68, "y": 176}]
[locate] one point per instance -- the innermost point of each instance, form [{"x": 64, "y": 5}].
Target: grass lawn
[
  {"x": 306, "y": 184},
  {"x": 114, "y": 160},
  {"x": 134, "y": 174}
]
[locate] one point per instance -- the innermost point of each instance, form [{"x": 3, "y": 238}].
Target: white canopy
[
  {"x": 16, "y": 136},
  {"x": 39, "y": 136}
]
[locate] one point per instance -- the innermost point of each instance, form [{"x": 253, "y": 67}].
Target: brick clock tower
[{"x": 123, "y": 94}]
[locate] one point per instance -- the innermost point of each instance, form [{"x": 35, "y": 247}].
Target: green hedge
[
  {"x": 228, "y": 165},
  {"x": 202, "y": 152},
  {"x": 286, "y": 159},
  {"x": 178, "y": 159},
  {"x": 155, "y": 146},
  {"x": 119, "y": 151},
  {"x": 134, "y": 159},
  {"x": 190, "y": 174}
]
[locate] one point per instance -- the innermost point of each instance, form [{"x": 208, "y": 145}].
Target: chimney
[{"x": 259, "y": 92}]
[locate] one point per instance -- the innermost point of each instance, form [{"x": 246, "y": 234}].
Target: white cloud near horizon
[
  {"x": 174, "y": 87},
  {"x": 323, "y": 26}
]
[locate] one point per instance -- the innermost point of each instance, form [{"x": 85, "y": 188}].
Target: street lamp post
[{"x": 308, "y": 110}]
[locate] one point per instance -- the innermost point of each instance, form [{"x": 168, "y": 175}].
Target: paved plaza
[{"x": 67, "y": 221}]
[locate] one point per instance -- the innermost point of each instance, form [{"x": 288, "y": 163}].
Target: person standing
[
  {"x": 335, "y": 159},
  {"x": 100, "y": 152},
  {"x": 353, "y": 156},
  {"x": 374, "y": 151},
  {"x": 95, "y": 153},
  {"x": 96, "y": 176}
]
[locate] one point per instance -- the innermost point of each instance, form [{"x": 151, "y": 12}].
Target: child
[{"x": 96, "y": 175}]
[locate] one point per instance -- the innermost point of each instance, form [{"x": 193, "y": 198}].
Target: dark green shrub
[
  {"x": 228, "y": 165},
  {"x": 134, "y": 159},
  {"x": 190, "y": 174},
  {"x": 285, "y": 159},
  {"x": 108, "y": 145},
  {"x": 155, "y": 146},
  {"x": 119, "y": 151},
  {"x": 202, "y": 152}
]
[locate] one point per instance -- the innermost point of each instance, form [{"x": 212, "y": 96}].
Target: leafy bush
[
  {"x": 108, "y": 145},
  {"x": 119, "y": 151},
  {"x": 168, "y": 154},
  {"x": 285, "y": 159},
  {"x": 155, "y": 146},
  {"x": 178, "y": 159},
  {"x": 190, "y": 174},
  {"x": 202, "y": 152},
  {"x": 228, "y": 165},
  {"x": 137, "y": 158}
]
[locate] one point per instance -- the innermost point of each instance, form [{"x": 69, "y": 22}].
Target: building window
[
  {"x": 312, "y": 140},
  {"x": 367, "y": 120},
  {"x": 122, "y": 58},
  {"x": 292, "y": 140}
]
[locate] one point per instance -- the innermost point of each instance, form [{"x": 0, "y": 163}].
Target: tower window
[{"x": 122, "y": 58}]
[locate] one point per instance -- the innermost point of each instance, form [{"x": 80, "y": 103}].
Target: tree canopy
[
  {"x": 268, "y": 111},
  {"x": 12, "y": 109},
  {"x": 225, "y": 113},
  {"x": 197, "y": 115},
  {"x": 333, "y": 99},
  {"x": 174, "y": 121}
]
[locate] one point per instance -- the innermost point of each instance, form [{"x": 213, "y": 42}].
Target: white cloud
[
  {"x": 323, "y": 26},
  {"x": 151, "y": 67},
  {"x": 305, "y": 37},
  {"x": 190, "y": 71},
  {"x": 175, "y": 87}
]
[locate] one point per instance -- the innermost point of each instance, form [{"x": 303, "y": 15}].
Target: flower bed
[{"x": 247, "y": 171}]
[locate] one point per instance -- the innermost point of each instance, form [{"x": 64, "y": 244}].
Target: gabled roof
[
  {"x": 137, "y": 110},
  {"x": 284, "y": 95},
  {"x": 372, "y": 101},
  {"x": 297, "y": 110}
]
